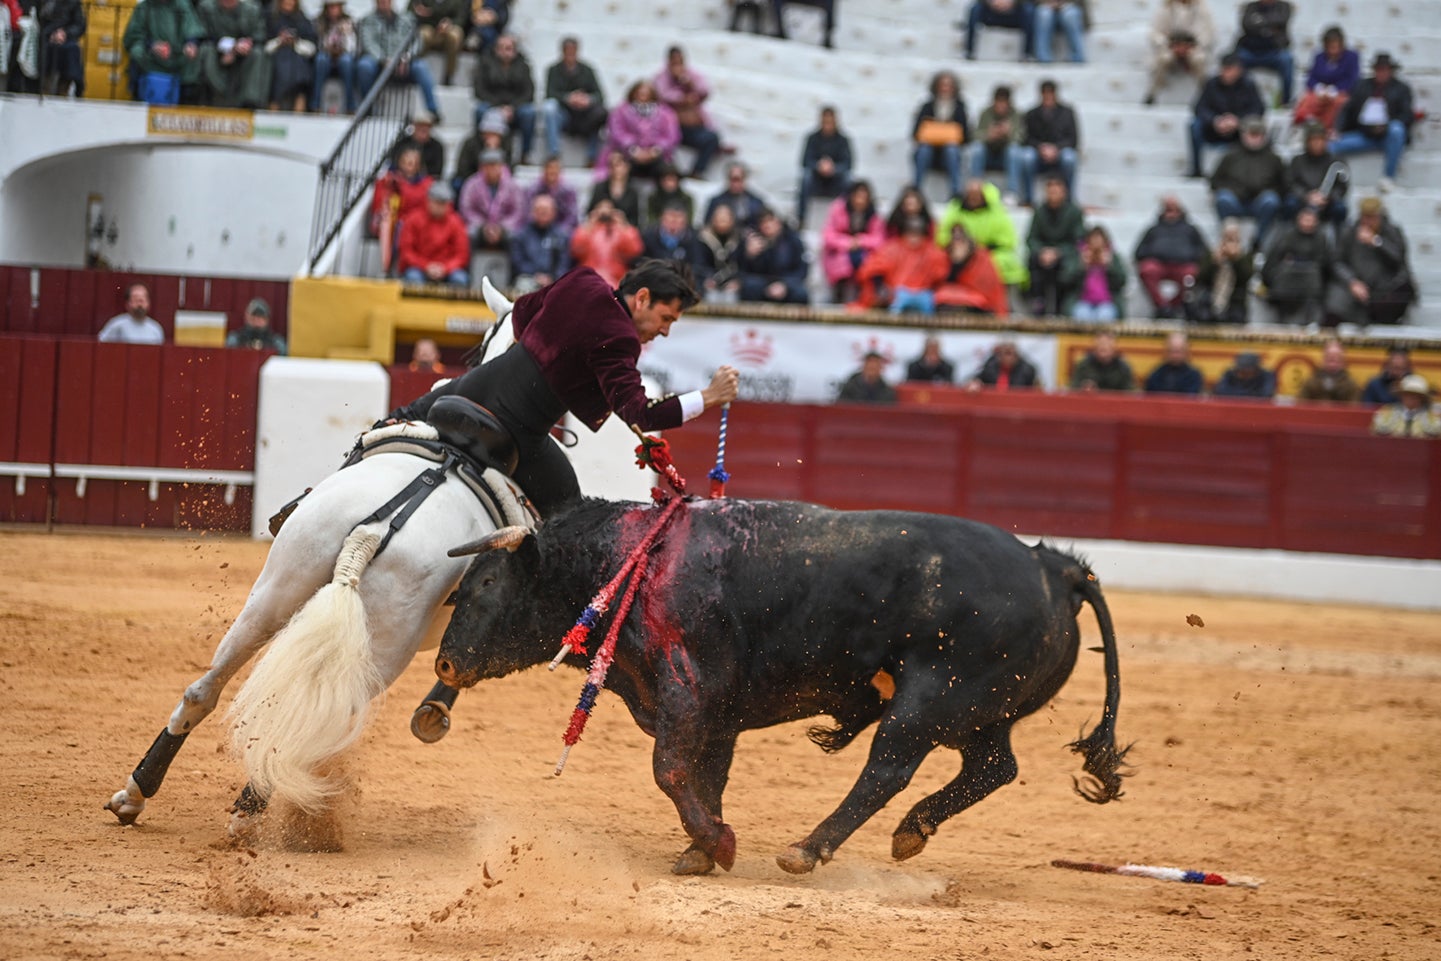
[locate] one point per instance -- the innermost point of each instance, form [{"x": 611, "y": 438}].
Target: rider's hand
[{"x": 723, "y": 387}]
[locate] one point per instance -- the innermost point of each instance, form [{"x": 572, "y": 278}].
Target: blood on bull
[{"x": 758, "y": 613}]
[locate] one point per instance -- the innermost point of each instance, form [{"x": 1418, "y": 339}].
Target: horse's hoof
[
  {"x": 243, "y": 828},
  {"x": 430, "y": 722},
  {"x": 693, "y": 861},
  {"x": 124, "y": 808},
  {"x": 907, "y": 843},
  {"x": 796, "y": 860}
]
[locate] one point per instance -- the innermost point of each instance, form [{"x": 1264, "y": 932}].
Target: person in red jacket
[
  {"x": 434, "y": 247},
  {"x": 910, "y": 266},
  {"x": 972, "y": 284},
  {"x": 607, "y": 242},
  {"x": 577, "y": 342}
]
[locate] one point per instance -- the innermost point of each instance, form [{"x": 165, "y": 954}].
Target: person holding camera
[
  {"x": 607, "y": 242},
  {"x": 1182, "y": 35},
  {"x": 291, "y": 43}
]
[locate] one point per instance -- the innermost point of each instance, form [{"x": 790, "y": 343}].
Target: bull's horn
[{"x": 507, "y": 537}]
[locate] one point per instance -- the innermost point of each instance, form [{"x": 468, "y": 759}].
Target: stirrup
[{"x": 278, "y": 519}]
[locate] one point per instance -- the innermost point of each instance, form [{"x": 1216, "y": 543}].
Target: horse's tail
[{"x": 307, "y": 699}]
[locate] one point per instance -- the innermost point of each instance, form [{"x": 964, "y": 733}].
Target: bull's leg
[
  {"x": 902, "y": 742},
  {"x": 711, "y": 774},
  {"x": 988, "y": 763},
  {"x": 431, "y": 720}
]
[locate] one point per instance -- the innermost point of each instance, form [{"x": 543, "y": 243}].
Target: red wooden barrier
[{"x": 27, "y": 424}]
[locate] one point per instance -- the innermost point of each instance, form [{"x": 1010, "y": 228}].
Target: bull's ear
[{"x": 508, "y": 538}]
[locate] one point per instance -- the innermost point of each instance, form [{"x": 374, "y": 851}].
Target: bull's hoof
[
  {"x": 906, "y": 843},
  {"x": 725, "y": 848},
  {"x": 693, "y": 861},
  {"x": 124, "y": 808},
  {"x": 796, "y": 860},
  {"x": 430, "y": 722}
]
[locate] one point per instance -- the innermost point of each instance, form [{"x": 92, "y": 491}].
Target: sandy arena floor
[{"x": 1300, "y": 744}]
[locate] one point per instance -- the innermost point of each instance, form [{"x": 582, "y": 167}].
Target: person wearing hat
[
  {"x": 1246, "y": 378},
  {"x": 1371, "y": 280},
  {"x": 1378, "y": 116},
  {"x": 1318, "y": 179},
  {"x": 1250, "y": 180},
  {"x": 868, "y": 385},
  {"x": 1224, "y": 100},
  {"x": 1333, "y": 75},
  {"x": 492, "y": 204},
  {"x": 433, "y": 244},
  {"x": 1265, "y": 41},
  {"x": 422, "y": 137},
  {"x": 1413, "y": 414},
  {"x": 254, "y": 332},
  {"x": 335, "y": 53}
]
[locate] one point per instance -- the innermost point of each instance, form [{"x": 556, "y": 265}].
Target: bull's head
[{"x": 481, "y": 640}]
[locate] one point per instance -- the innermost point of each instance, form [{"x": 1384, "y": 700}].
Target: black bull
[{"x": 757, "y": 613}]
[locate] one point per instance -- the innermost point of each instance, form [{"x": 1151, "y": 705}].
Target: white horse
[{"x": 342, "y": 621}]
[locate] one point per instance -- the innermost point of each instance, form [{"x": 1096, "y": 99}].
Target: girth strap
[{"x": 409, "y": 499}]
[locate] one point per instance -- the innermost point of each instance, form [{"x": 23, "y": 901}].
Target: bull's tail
[
  {"x": 307, "y": 699},
  {"x": 1104, "y": 761}
]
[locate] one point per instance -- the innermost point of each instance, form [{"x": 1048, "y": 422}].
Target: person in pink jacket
[
  {"x": 685, "y": 92},
  {"x": 492, "y": 204},
  {"x": 642, "y": 128},
  {"x": 606, "y": 243},
  {"x": 853, "y": 229}
]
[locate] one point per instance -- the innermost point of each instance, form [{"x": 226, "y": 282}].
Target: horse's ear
[{"x": 509, "y": 538}]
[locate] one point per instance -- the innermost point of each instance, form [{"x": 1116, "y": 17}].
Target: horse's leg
[{"x": 431, "y": 720}]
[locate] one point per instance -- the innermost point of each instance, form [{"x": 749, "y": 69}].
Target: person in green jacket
[
  {"x": 1103, "y": 368},
  {"x": 1057, "y": 228},
  {"x": 1094, "y": 280},
  {"x": 163, "y": 36},
  {"x": 979, "y": 209},
  {"x": 233, "y": 61}
]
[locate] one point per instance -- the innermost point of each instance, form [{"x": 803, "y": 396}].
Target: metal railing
[{"x": 352, "y": 166}]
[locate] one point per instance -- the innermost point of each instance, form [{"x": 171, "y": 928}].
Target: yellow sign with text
[{"x": 208, "y": 123}]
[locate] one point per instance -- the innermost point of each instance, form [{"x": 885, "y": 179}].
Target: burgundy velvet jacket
[{"x": 583, "y": 339}]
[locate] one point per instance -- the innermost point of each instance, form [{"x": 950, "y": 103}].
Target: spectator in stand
[
  {"x": 1331, "y": 381},
  {"x": 1250, "y": 180},
  {"x": 744, "y": 202},
  {"x": 971, "y": 284},
  {"x": 868, "y": 385},
  {"x": 491, "y": 136},
  {"x": 998, "y": 147},
  {"x": 718, "y": 250},
  {"x": 442, "y": 27},
  {"x": 1412, "y": 415},
  {"x": 420, "y": 137},
  {"x": 1171, "y": 250},
  {"x": 1381, "y": 389},
  {"x": 335, "y": 53},
  {"x": 539, "y": 250},
  {"x": 1378, "y": 116},
  {"x": 828, "y": 17},
  {"x": 772, "y": 263},
  {"x": 551, "y": 183},
  {"x": 1058, "y": 228},
  {"x": 61, "y": 24},
  {"x": 1182, "y": 34},
  {"x": 233, "y": 65},
  {"x": 853, "y": 230},
  {"x": 503, "y": 82},
  {"x": 1221, "y": 294},
  {"x": 909, "y": 204},
  {"x": 685, "y": 92},
  {"x": 1052, "y": 140},
  {"x": 1095, "y": 280},
  {"x": 574, "y": 102},
  {"x": 1298, "y": 264},
  {"x": 254, "y": 332},
  {"x": 433, "y": 245},
  {"x": 1246, "y": 378},
  {"x": 939, "y": 131},
  {"x": 382, "y": 39},
  {"x": 1223, "y": 101},
  {"x": 908, "y": 269},
  {"x": 607, "y": 242},
  {"x": 642, "y": 130},
  {"x": 671, "y": 238},
  {"x": 1103, "y": 368},
  {"x": 930, "y": 367},
  {"x": 617, "y": 188},
  {"x": 398, "y": 191},
  {"x": 1265, "y": 42},
  {"x": 1175, "y": 374},
  {"x": 979, "y": 210},
  {"x": 1073, "y": 18},
  {"x": 492, "y": 204},
  {"x": 1012, "y": 14},
  {"x": 668, "y": 192},
  {"x": 488, "y": 20},
  {"x": 825, "y": 163},
  {"x": 1004, "y": 370},
  {"x": 1371, "y": 281},
  {"x": 135, "y": 325},
  {"x": 1333, "y": 75},
  {"x": 162, "y": 37},
  {"x": 425, "y": 356},
  {"x": 1318, "y": 179}
]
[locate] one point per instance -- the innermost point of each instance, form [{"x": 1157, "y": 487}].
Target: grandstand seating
[{"x": 768, "y": 92}]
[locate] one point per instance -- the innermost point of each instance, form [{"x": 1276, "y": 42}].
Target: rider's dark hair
[{"x": 667, "y": 280}]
